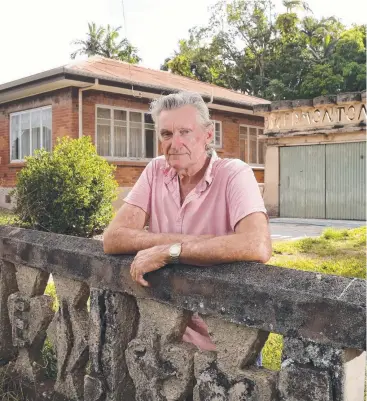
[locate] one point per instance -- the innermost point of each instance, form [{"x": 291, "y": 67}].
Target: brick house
[{"x": 109, "y": 101}]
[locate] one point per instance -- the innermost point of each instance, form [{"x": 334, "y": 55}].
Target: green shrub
[{"x": 69, "y": 191}]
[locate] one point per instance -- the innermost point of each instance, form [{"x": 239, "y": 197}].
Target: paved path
[{"x": 288, "y": 228}]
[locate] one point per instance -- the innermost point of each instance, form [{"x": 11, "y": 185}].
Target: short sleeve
[
  {"x": 243, "y": 194},
  {"x": 141, "y": 193}
]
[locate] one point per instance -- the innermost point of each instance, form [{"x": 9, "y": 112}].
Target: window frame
[
  {"x": 19, "y": 113},
  {"x": 221, "y": 134},
  {"x": 248, "y": 126},
  {"x": 127, "y": 110}
]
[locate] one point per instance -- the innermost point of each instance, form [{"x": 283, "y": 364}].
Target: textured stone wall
[{"x": 126, "y": 344}]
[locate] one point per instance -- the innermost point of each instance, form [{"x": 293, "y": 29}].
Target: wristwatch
[{"x": 175, "y": 252}]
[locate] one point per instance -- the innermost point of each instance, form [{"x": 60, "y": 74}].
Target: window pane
[
  {"x": 36, "y": 130},
  {"x": 120, "y": 139},
  {"x": 103, "y": 140},
  {"x": 104, "y": 131},
  {"x": 15, "y": 120},
  {"x": 119, "y": 115},
  {"x": 103, "y": 113},
  {"x": 218, "y": 134},
  {"x": 150, "y": 144},
  {"x": 25, "y": 134},
  {"x": 253, "y": 146},
  {"x": 243, "y": 144},
  {"x": 47, "y": 129},
  {"x": 136, "y": 127},
  {"x": 262, "y": 148}
]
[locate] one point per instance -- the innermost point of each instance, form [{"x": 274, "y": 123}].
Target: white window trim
[
  {"x": 30, "y": 130},
  {"x": 221, "y": 134},
  {"x": 127, "y": 110},
  {"x": 254, "y": 165}
]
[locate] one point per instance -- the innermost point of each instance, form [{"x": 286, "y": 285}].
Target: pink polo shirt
[{"x": 227, "y": 193}]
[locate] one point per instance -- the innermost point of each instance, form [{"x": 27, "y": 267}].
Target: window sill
[
  {"x": 257, "y": 167},
  {"x": 131, "y": 163},
  {"x": 17, "y": 164}
]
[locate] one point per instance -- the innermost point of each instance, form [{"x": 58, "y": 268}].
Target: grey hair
[{"x": 181, "y": 99}]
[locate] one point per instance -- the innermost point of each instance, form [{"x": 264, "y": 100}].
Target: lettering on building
[{"x": 318, "y": 117}]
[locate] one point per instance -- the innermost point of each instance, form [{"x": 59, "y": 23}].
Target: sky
[{"x": 36, "y": 35}]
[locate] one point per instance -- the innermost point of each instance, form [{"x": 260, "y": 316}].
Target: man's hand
[{"x": 149, "y": 260}]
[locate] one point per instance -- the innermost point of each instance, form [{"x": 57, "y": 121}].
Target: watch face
[{"x": 175, "y": 250}]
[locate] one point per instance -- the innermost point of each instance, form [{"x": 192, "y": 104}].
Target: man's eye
[
  {"x": 184, "y": 131},
  {"x": 166, "y": 135}
]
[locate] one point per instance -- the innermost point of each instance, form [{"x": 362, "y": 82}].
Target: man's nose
[{"x": 176, "y": 140}]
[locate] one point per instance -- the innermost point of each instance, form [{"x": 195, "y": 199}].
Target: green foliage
[
  {"x": 105, "y": 42},
  {"x": 69, "y": 191},
  {"x": 272, "y": 352},
  {"x": 7, "y": 217},
  {"x": 247, "y": 48},
  {"x": 51, "y": 291},
  {"x": 49, "y": 360}
]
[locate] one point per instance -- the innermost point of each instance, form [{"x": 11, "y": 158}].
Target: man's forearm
[
  {"x": 131, "y": 241},
  {"x": 225, "y": 249}
]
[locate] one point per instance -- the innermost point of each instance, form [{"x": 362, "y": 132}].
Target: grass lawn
[{"x": 337, "y": 252}]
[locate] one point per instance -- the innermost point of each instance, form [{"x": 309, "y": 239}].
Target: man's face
[{"x": 182, "y": 136}]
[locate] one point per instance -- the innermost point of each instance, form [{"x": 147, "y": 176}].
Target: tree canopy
[{"x": 248, "y": 48}]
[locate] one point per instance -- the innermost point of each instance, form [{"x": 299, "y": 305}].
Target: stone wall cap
[{"x": 309, "y": 305}]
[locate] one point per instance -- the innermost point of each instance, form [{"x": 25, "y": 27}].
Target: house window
[
  {"x": 30, "y": 130},
  {"x": 125, "y": 133},
  {"x": 252, "y": 148},
  {"x": 217, "y": 134}
]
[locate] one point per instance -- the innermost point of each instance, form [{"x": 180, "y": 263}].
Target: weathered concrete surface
[
  {"x": 8, "y": 286},
  {"x": 323, "y": 308},
  {"x": 298, "y": 383},
  {"x": 68, "y": 333},
  {"x": 236, "y": 346},
  {"x": 160, "y": 364},
  {"x": 30, "y": 313},
  {"x": 344, "y": 369},
  {"x": 113, "y": 324},
  {"x": 228, "y": 374}
]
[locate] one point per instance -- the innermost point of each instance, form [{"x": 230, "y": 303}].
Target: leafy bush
[{"x": 69, "y": 191}]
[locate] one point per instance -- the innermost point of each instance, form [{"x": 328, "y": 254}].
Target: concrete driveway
[{"x": 288, "y": 228}]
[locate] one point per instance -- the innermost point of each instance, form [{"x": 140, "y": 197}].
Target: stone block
[
  {"x": 8, "y": 286},
  {"x": 298, "y": 383}
]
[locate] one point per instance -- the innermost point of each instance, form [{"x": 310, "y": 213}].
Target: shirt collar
[{"x": 169, "y": 173}]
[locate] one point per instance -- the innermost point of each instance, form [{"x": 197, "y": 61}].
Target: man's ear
[{"x": 210, "y": 134}]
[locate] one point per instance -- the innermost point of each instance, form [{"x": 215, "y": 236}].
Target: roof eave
[{"x": 80, "y": 77}]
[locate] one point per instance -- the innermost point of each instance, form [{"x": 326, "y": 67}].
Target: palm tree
[
  {"x": 322, "y": 36},
  {"x": 104, "y": 42},
  {"x": 92, "y": 45},
  {"x": 296, "y": 4}
]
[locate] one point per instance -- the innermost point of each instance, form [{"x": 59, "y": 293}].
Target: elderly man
[{"x": 200, "y": 209}]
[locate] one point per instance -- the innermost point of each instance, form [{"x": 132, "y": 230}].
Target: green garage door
[{"x": 323, "y": 181}]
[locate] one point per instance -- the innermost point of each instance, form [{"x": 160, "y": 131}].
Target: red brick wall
[
  {"x": 64, "y": 123},
  {"x": 230, "y": 135}
]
